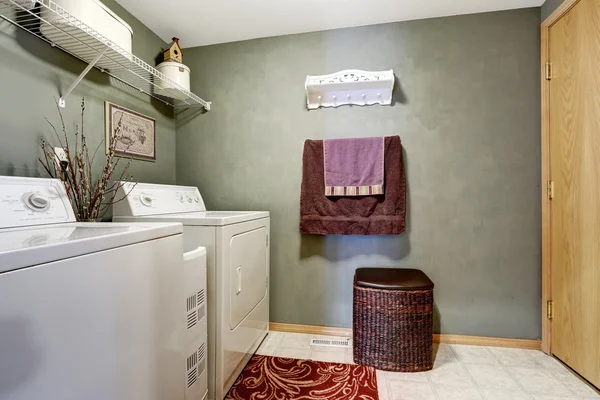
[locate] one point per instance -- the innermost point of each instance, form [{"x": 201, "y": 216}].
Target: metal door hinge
[
  {"x": 550, "y": 309},
  {"x": 550, "y": 190},
  {"x": 548, "y": 71}
]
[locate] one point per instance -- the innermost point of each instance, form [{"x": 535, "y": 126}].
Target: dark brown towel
[{"x": 362, "y": 215}]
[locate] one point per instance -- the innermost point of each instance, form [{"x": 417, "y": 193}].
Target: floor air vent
[{"x": 332, "y": 342}]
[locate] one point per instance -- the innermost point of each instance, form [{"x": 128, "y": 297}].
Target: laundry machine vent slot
[
  {"x": 191, "y": 302},
  {"x": 192, "y": 319},
  {"x": 201, "y": 313},
  {"x": 331, "y": 343},
  {"x": 201, "y": 297},
  {"x": 201, "y": 367},
  {"x": 192, "y": 361},
  {"x": 192, "y": 370},
  {"x": 192, "y": 377},
  {"x": 202, "y": 351}
]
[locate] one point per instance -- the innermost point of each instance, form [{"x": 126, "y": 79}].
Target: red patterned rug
[{"x": 275, "y": 378}]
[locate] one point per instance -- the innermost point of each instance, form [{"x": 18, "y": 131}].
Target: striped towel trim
[{"x": 353, "y": 190}]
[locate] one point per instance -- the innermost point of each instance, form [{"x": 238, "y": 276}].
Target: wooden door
[{"x": 574, "y": 52}]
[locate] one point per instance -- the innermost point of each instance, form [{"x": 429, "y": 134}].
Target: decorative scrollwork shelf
[
  {"x": 96, "y": 50},
  {"x": 350, "y": 86}
]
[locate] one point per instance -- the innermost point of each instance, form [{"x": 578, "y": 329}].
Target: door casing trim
[{"x": 563, "y": 9}]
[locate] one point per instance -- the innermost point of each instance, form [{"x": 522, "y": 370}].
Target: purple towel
[
  {"x": 353, "y": 215},
  {"x": 353, "y": 167}
]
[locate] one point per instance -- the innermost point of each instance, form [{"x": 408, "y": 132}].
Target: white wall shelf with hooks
[
  {"x": 47, "y": 20},
  {"x": 351, "y": 86}
]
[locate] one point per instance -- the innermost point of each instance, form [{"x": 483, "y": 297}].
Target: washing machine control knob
[
  {"x": 36, "y": 202},
  {"x": 146, "y": 200}
]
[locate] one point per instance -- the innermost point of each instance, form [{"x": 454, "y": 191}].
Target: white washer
[
  {"x": 237, "y": 245},
  {"x": 87, "y": 310}
]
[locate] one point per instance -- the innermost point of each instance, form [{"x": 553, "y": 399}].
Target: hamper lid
[{"x": 392, "y": 278}]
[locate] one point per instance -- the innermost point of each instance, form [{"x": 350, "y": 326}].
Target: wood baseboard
[
  {"x": 488, "y": 341},
  {"x": 437, "y": 338}
]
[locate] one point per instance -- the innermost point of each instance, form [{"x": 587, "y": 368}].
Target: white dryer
[
  {"x": 87, "y": 310},
  {"x": 237, "y": 245}
]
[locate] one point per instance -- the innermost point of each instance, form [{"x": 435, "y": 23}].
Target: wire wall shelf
[{"x": 51, "y": 23}]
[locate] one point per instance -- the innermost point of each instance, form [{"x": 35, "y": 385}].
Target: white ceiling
[{"x": 203, "y": 22}]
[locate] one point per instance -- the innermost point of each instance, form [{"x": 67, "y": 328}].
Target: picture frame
[{"x": 138, "y": 133}]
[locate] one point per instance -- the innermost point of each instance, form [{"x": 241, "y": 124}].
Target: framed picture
[{"x": 137, "y": 138}]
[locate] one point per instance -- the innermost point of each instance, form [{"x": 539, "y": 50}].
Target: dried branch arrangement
[{"x": 90, "y": 198}]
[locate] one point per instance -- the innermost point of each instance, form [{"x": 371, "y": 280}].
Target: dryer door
[
  {"x": 248, "y": 273},
  {"x": 241, "y": 298}
]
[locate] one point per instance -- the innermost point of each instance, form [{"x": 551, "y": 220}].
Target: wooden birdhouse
[{"x": 174, "y": 53}]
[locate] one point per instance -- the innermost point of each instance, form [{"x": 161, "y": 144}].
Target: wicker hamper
[{"x": 393, "y": 319}]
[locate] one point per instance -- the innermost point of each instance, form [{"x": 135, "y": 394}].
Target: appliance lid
[
  {"x": 202, "y": 218},
  {"x": 30, "y": 246}
]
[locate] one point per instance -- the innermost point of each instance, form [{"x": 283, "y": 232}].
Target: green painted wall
[
  {"x": 549, "y": 6},
  {"x": 467, "y": 108},
  {"x": 32, "y": 74}
]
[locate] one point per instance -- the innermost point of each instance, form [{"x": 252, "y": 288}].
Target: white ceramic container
[{"x": 179, "y": 74}]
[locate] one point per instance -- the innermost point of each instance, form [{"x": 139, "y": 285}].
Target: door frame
[{"x": 565, "y": 7}]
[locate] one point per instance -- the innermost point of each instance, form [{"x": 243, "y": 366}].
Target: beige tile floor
[{"x": 459, "y": 373}]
